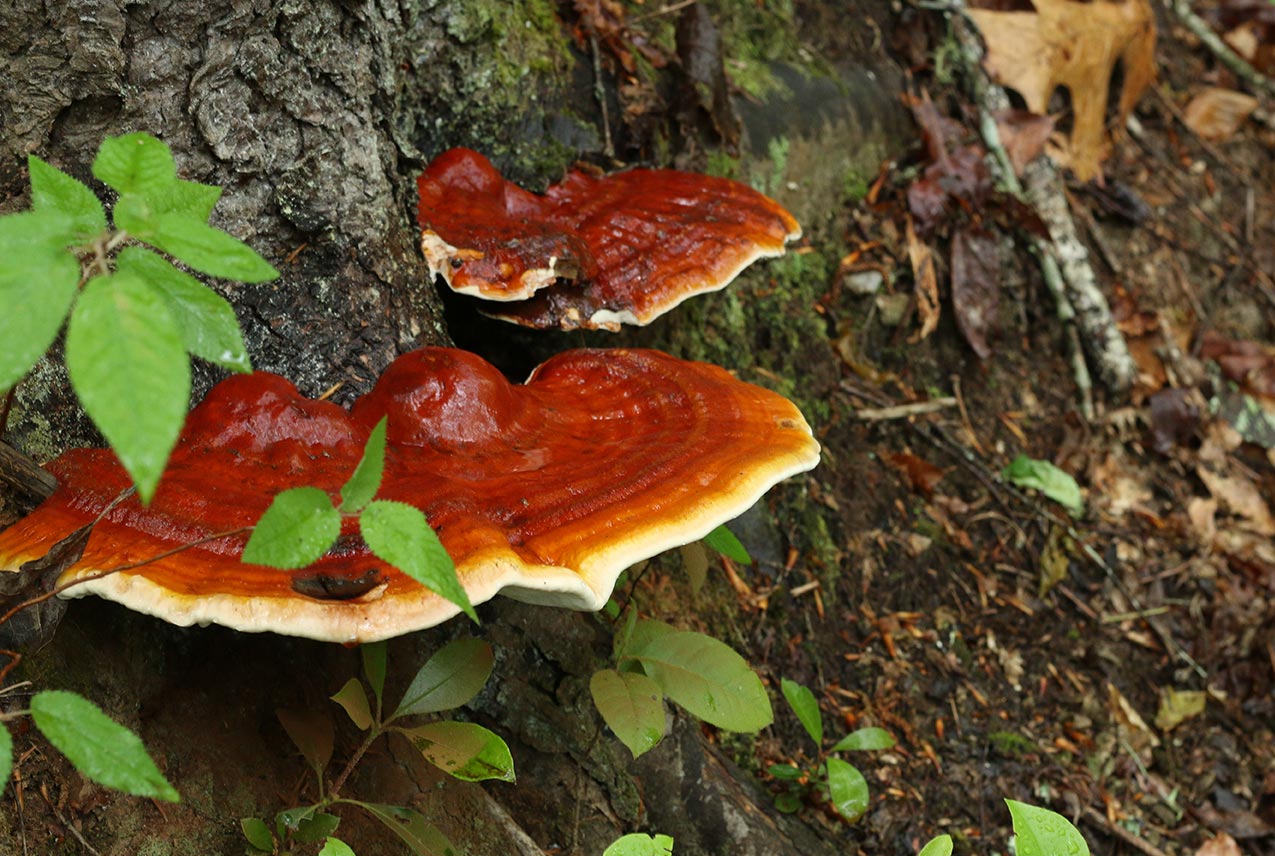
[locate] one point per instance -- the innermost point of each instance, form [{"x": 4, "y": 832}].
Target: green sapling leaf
[
  {"x": 373, "y": 654},
  {"x": 135, "y": 163},
  {"x": 209, "y": 250},
  {"x": 100, "y": 748},
  {"x": 463, "y": 750},
  {"x": 56, "y": 193},
  {"x": 411, "y": 827},
  {"x": 6, "y": 756},
  {"x": 353, "y": 699},
  {"x": 1041, "y": 832},
  {"x": 637, "y": 844},
  {"x": 316, "y": 827},
  {"x": 313, "y": 734},
  {"x": 400, "y": 534},
  {"x": 1048, "y": 479},
  {"x": 724, "y": 541},
  {"x": 335, "y": 847},
  {"x": 865, "y": 739},
  {"x": 940, "y": 845},
  {"x": 366, "y": 481},
  {"x": 206, "y": 320},
  {"x": 806, "y": 706},
  {"x": 299, "y": 526},
  {"x": 787, "y": 772},
  {"x": 257, "y": 833},
  {"x": 703, "y": 675},
  {"x": 189, "y": 199},
  {"x": 847, "y": 789},
  {"x": 37, "y": 284},
  {"x": 632, "y": 705},
  {"x": 448, "y": 679},
  {"x": 128, "y": 365}
]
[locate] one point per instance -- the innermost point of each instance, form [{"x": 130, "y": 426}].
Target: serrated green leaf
[
  {"x": 353, "y": 700},
  {"x": 257, "y": 833},
  {"x": 463, "y": 750},
  {"x": 54, "y": 192},
  {"x": 335, "y": 847},
  {"x": 1041, "y": 832},
  {"x": 411, "y": 828},
  {"x": 194, "y": 242},
  {"x": 400, "y": 534},
  {"x": 374, "y": 655},
  {"x": 206, "y": 320},
  {"x": 632, "y": 706},
  {"x": 448, "y": 679},
  {"x": 100, "y": 748},
  {"x": 189, "y": 199},
  {"x": 312, "y": 732},
  {"x": 300, "y": 525},
  {"x": 865, "y": 739},
  {"x": 705, "y": 676},
  {"x": 724, "y": 541},
  {"x": 128, "y": 365},
  {"x": 316, "y": 827},
  {"x": 806, "y": 706},
  {"x": 6, "y": 756},
  {"x": 847, "y": 789},
  {"x": 637, "y": 844},
  {"x": 940, "y": 845},
  {"x": 37, "y": 285},
  {"x": 366, "y": 481},
  {"x": 134, "y": 163},
  {"x": 1048, "y": 479}
]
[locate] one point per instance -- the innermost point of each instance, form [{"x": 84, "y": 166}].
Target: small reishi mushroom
[
  {"x": 591, "y": 252},
  {"x": 544, "y": 492}
]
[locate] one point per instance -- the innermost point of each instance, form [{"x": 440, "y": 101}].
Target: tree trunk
[{"x": 315, "y": 116}]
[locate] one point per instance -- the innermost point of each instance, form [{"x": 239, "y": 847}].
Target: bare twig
[
  {"x": 903, "y": 411},
  {"x": 1211, "y": 40}
]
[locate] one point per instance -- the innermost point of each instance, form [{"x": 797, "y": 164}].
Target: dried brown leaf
[
  {"x": 922, "y": 475},
  {"x": 976, "y": 287},
  {"x": 1216, "y": 113},
  {"x": 927, "y": 284},
  {"x": 1223, "y": 845},
  {"x": 1023, "y": 135}
]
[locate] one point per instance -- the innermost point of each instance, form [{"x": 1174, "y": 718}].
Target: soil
[{"x": 1013, "y": 650}]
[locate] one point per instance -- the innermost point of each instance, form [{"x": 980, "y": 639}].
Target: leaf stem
[{"x": 373, "y": 733}]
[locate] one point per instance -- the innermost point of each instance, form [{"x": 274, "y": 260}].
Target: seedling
[{"x": 1037, "y": 832}]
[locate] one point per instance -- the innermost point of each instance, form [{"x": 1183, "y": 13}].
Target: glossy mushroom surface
[
  {"x": 544, "y": 491},
  {"x": 592, "y": 252}
]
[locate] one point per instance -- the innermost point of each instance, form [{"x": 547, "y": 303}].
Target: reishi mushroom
[
  {"x": 545, "y": 491},
  {"x": 591, "y": 252}
]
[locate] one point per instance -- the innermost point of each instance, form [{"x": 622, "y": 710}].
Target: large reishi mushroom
[
  {"x": 591, "y": 252},
  {"x": 544, "y": 492}
]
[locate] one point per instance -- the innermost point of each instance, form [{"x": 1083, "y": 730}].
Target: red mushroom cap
[
  {"x": 592, "y": 252},
  {"x": 545, "y": 491}
]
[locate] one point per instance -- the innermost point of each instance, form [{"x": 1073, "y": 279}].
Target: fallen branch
[
  {"x": 1211, "y": 40},
  {"x": 902, "y": 411}
]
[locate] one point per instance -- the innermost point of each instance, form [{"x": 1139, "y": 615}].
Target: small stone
[
  {"x": 892, "y": 307},
  {"x": 865, "y": 282}
]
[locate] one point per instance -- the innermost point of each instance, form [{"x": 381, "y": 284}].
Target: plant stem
[{"x": 372, "y": 734}]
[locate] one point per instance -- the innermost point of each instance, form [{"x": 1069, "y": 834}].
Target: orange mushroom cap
[
  {"x": 545, "y": 491},
  {"x": 591, "y": 252}
]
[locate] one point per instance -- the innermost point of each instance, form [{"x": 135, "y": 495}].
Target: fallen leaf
[
  {"x": 1216, "y": 113},
  {"x": 1054, "y": 559},
  {"x": 1174, "y": 418},
  {"x": 1223, "y": 845},
  {"x": 1131, "y": 726},
  {"x": 927, "y": 284},
  {"x": 1023, "y": 135},
  {"x": 1201, "y": 512},
  {"x": 1076, "y": 45},
  {"x": 976, "y": 287},
  {"x": 1177, "y": 706},
  {"x": 1242, "y": 497},
  {"x": 922, "y": 475}
]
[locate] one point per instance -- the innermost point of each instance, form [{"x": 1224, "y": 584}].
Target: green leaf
[
  {"x": 704, "y": 676},
  {"x": 290, "y": 819},
  {"x": 637, "y": 844},
  {"x": 847, "y": 789},
  {"x": 724, "y": 541},
  {"x": 335, "y": 847},
  {"x": 257, "y": 833},
  {"x": 695, "y": 563},
  {"x": 202, "y": 247},
  {"x": 788, "y": 803},
  {"x": 6, "y": 756},
  {"x": 400, "y": 534},
  {"x": 632, "y": 705},
  {"x": 299, "y": 526},
  {"x": 37, "y": 285},
  {"x": 1041, "y": 832},
  {"x": 412, "y": 828},
  {"x": 366, "y": 481},
  {"x": 206, "y": 320},
  {"x": 134, "y": 163},
  {"x": 353, "y": 700},
  {"x": 787, "y": 772},
  {"x": 316, "y": 827},
  {"x": 189, "y": 199},
  {"x": 448, "y": 679},
  {"x": 129, "y": 367},
  {"x": 865, "y": 739},
  {"x": 312, "y": 732},
  {"x": 373, "y": 654},
  {"x": 55, "y": 192},
  {"x": 1048, "y": 479},
  {"x": 100, "y": 748},
  {"x": 806, "y": 706},
  {"x": 463, "y": 750},
  {"x": 940, "y": 845}
]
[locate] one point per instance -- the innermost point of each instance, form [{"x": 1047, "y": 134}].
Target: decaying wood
[{"x": 23, "y": 476}]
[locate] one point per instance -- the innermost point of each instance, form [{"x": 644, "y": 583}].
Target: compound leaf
[
  {"x": 299, "y": 526},
  {"x": 135, "y": 163},
  {"x": 56, "y": 193},
  {"x": 366, "y": 481},
  {"x": 400, "y": 534}
]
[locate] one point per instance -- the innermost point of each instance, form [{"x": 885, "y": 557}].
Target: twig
[
  {"x": 599, "y": 92},
  {"x": 903, "y": 411},
  {"x": 1211, "y": 40},
  {"x": 1098, "y": 818}
]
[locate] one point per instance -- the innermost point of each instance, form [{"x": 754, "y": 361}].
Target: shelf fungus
[
  {"x": 544, "y": 491},
  {"x": 592, "y": 252}
]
